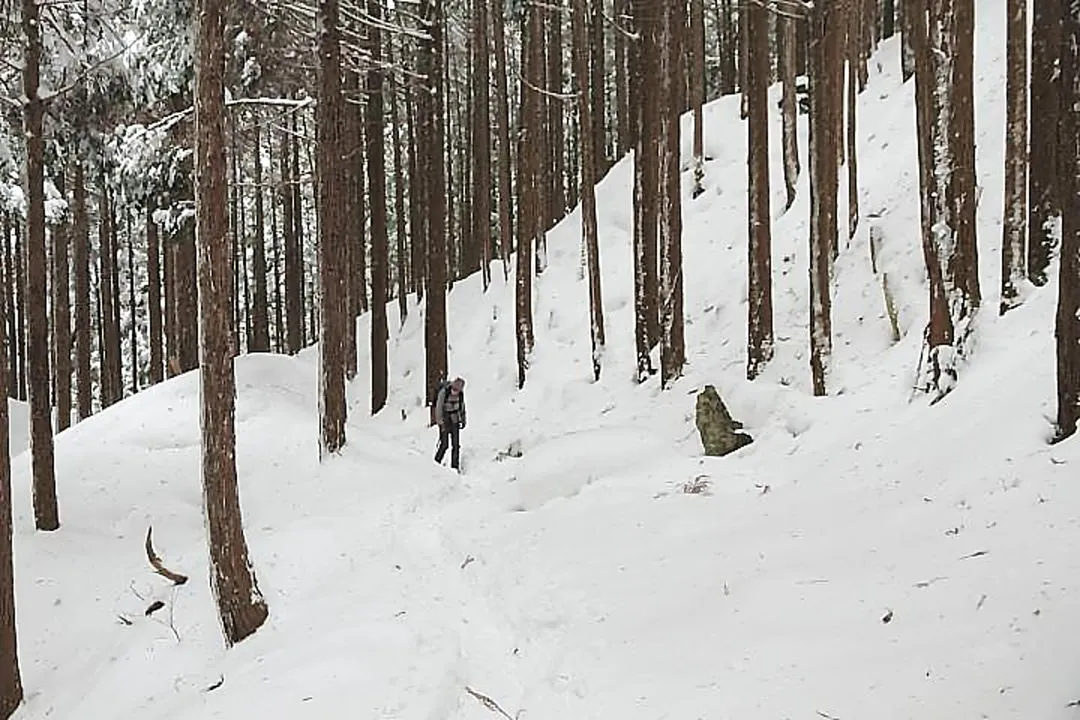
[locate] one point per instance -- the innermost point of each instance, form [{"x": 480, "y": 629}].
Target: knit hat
[{"x": 458, "y": 384}]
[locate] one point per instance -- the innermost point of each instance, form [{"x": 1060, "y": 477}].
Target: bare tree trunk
[
  {"x": 580, "y": 31},
  {"x": 19, "y": 265},
  {"x": 418, "y": 192},
  {"x": 241, "y": 607},
  {"x": 380, "y": 244},
  {"x": 827, "y": 33},
  {"x": 432, "y": 130},
  {"x": 697, "y": 90},
  {"x": 530, "y": 207},
  {"x": 789, "y": 107},
  {"x": 294, "y": 260},
  {"x": 854, "y": 53},
  {"x": 260, "y": 314},
  {"x": 400, "y": 218},
  {"x": 556, "y": 145},
  {"x": 11, "y": 691},
  {"x": 963, "y": 138},
  {"x": 333, "y": 265},
  {"x": 669, "y": 223},
  {"x": 61, "y": 324},
  {"x": 599, "y": 98},
  {"x": 153, "y": 299},
  {"x": 646, "y": 190},
  {"x": 759, "y": 348},
  {"x": 907, "y": 51},
  {"x": 1014, "y": 227},
  {"x": 275, "y": 248},
  {"x": 133, "y": 336},
  {"x": 46, "y": 513},
  {"x": 1068, "y": 312},
  {"x": 625, "y": 138},
  {"x": 502, "y": 134},
  {"x": 481, "y": 141},
  {"x": 1043, "y": 193}
]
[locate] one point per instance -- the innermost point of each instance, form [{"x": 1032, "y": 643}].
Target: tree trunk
[
  {"x": 789, "y": 107},
  {"x": 260, "y": 314},
  {"x": 669, "y": 223},
  {"x": 294, "y": 260},
  {"x": 599, "y": 99},
  {"x": 61, "y": 325},
  {"x": 622, "y": 81},
  {"x": 240, "y": 603},
  {"x": 646, "y": 186},
  {"x": 502, "y": 135},
  {"x": 153, "y": 299},
  {"x": 400, "y": 219},
  {"x": 109, "y": 392},
  {"x": 530, "y": 221},
  {"x": 11, "y": 691},
  {"x": 380, "y": 244},
  {"x": 697, "y": 90},
  {"x": 81, "y": 267},
  {"x": 827, "y": 33},
  {"x": 854, "y": 58},
  {"x": 133, "y": 337},
  {"x": 759, "y": 262},
  {"x": 275, "y": 249},
  {"x": 1068, "y": 311},
  {"x": 333, "y": 266},
  {"x": 962, "y": 136},
  {"x": 19, "y": 265},
  {"x": 580, "y": 21},
  {"x": 1043, "y": 193},
  {"x": 907, "y": 50},
  {"x": 1014, "y": 227},
  {"x": 481, "y": 141},
  {"x": 556, "y": 146},
  {"x": 46, "y": 513}
]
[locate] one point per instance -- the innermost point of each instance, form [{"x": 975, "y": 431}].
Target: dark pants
[{"x": 449, "y": 434}]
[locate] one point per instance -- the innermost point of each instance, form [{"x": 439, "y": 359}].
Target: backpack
[{"x": 442, "y": 387}]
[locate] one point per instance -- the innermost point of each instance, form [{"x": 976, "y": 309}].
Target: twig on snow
[
  {"x": 488, "y": 703},
  {"x": 827, "y": 716},
  {"x": 977, "y": 553},
  {"x": 155, "y": 561}
]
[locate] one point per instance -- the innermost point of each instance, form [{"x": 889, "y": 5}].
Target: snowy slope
[{"x": 580, "y": 580}]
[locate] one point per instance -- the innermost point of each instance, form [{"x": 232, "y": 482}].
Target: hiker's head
[{"x": 457, "y": 386}]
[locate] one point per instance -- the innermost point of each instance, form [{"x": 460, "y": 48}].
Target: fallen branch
[
  {"x": 827, "y": 716},
  {"x": 155, "y": 562},
  {"x": 977, "y": 553},
  {"x": 488, "y": 703}
]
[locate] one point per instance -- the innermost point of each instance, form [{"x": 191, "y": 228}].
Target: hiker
[{"x": 450, "y": 416}]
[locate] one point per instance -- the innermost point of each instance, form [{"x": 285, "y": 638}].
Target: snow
[{"x": 866, "y": 556}]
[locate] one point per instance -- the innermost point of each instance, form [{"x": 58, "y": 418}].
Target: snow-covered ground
[{"x": 866, "y": 557}]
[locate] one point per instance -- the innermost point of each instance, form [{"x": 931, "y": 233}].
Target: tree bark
[
  {"x": 153, "y": 300},
  {"x": 241, "y": 607},
  {"x": 481, "y": 141},
  {"x": 333, "y": 265},
  {"x": 697, "y": 90},
  {"x": 530, "y": 221},
  {"x": 670, "y": 76},
  {"x": 827, "y": 32},
  {"x": 1068, "y": 312},
  {"x": 580, "y": 31},
  {"x": 1043, "y": 193},
  {"x": 502, "y": 134},
  {"x": 260, "y": 314},
  {"x": 646, "y": 185},
  {"x": 1014, "y": 227},
  {"x": 759, "y": 348},
  {"x": 854, "y": 58},
  {"x": 46, "y": 512},
  {"x": 11, "y": 691},
  {"x": 294, "y": 261},
  {"x": 61, "y": 322},
  {"x": 380, "y": 243},
  {"x": 789, "y": 107}
]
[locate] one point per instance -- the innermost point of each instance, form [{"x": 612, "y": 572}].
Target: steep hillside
[{"x": 866, "y": 557}]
